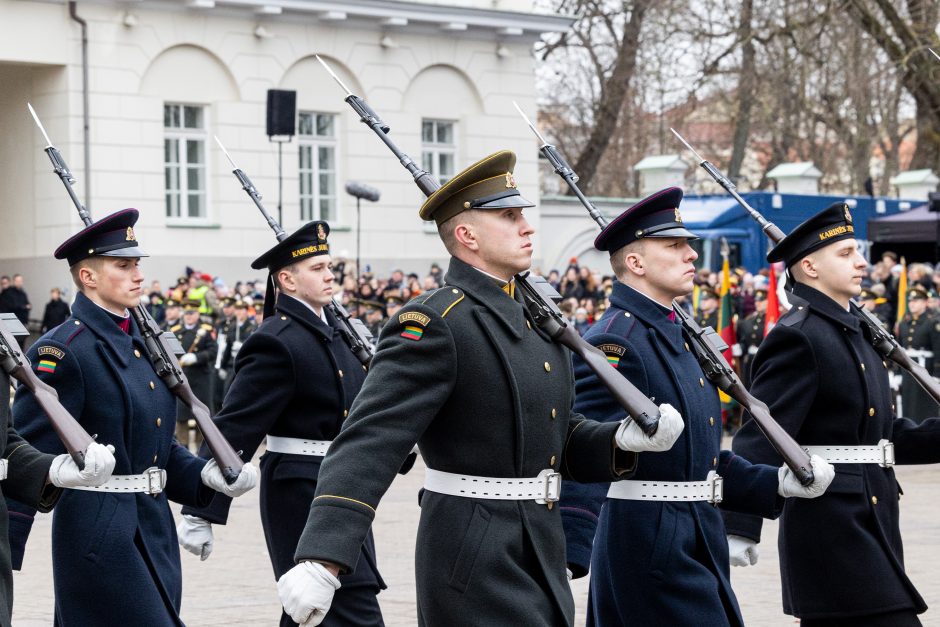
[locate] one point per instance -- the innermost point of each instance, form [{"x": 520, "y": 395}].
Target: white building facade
[{"x": 166, "y": 76}]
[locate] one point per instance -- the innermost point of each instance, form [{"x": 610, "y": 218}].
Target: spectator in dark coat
[
  {"x": 14, "y": 300},
  {"x": 57, "y": 311}
]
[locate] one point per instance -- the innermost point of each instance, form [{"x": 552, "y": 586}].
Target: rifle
[
  {"x": 537, "y": 294},
  {"x": 161, "y": 347},
  {"x": 882, "y": 341},
  {"x": 704, "y": 341},
  {"x": 357, "y": 335},
  {"x": 14, "y": 364}
]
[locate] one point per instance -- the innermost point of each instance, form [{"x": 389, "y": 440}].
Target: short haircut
[
  {"x": 92, "y": 263},
  {"x": 292, "y": 268},
  {"x": 618, "y": 258},
  {"x": 446, "y": 229}
]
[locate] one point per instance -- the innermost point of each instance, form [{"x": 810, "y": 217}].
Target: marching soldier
[
  {"x": 236, "y": 333},
  {"x": 919, "y": 334},
  {"x": 841, "y": 559},
  {"x": 172, "y": 314},
  {"x": 656, "y": 546},
  {"x": 708, "y": 308},
  {"x": 465, "y": 372},
  {"x": 751, "y": 333},
  {"x": 197, "y": 360},
  {"x": 114, "y": 554},
  {"x": 879, "y": 307},
  {"x": 295, "y": 379}
]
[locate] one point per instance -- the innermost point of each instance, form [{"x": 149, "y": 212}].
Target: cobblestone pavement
[{"x": 236, "y": 585}]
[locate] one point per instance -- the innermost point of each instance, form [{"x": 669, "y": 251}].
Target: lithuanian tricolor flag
[
  {"x": 46, "y": 365},
  {"x": 902, "y": 291},
  {"x": 412, "y": 332},
  {"x": 726, "y": 319}
]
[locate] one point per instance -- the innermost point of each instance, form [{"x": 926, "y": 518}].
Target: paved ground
[{"x": 236, "y": 585}]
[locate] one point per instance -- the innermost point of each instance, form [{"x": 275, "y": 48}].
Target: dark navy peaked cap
[
  {"x": 654, "y": 216},
  {"x": 111, "y": 236}
]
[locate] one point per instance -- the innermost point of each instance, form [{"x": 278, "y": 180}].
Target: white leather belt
[
  {"x": 150, "y": 481},
  {"x": 298, "y": 446},
  {"x": 4, "y": 467},
  {"x": 545, "y": 488},
  {"x": 711, "y": 490},
  {"x": 881, "y": 454}
]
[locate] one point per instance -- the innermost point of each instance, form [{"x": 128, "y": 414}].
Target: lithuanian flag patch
[
  {"x": 412, "y": 332},
  {"x": 46, "y": 365},
  {"x": 613, "y": 352}
]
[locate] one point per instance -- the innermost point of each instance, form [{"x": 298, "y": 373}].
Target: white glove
[
  {"x": 223, "y": 374},
  {"x": 247, "y": 479},
  {"x": 306, "y": 592},
  {"x": 631, "y": 438},
  {"x": 788, "y": 485},
  {"x": 99, "y": 464},
  {"x": 742, "y": 551},
  {"x": 188, "y": 359},
  {"x": 195, "y": 535}
]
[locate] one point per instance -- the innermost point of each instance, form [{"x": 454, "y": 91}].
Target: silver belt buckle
[
  {"x": 551, "y": 486},
  {"x": 156, "y": 480},
  {"x": 717, "y": 487},
  {"x": 887, "y": 453},
  {"x": 4, "y": 468}
]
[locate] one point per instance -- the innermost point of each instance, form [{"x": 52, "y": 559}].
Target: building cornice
[{"x": 386, "y": 14}]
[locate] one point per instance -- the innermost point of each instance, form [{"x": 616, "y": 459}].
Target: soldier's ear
[
  {"x": 88, "y": 277},
  {"x": 634, "y": 263},
  {"x": 464, "y": 234}
]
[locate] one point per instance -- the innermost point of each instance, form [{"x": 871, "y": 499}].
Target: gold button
[
  {"x": 863, "y": 367},
  {"x": 345, "y": 413},
  {"x": 136, "y": 353},
  {"x": 528, "y": 324},
  {"x": 701, "y": 382},
  {"x": 152, "y": 385},
  {"x": 871, "y": 411},
  {"x": 340, "y": 373},
  {"x": 455, "y": 291},
  {"x": 283, "y": 317},
  {"x": 686, "y": 344},
  {"x": 77, "y": 322},
  {"x": 550, "y": 505},
  {"x": 885, "y": 364},
  {"x": 154, "y": 458},
  {"x": 548, "y": 367},
  {"x": 874, "y": 500},
  {"x": 159, "y": 421},
  {"x": 714, "y": 461},
  {"x": 627, "y": 314},
  {"x": 551, "y": 462},
  {"x": 554, "y": 413},
  {"x": 711, "y": 421}
]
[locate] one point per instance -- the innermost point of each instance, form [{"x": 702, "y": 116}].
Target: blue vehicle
[{"x": 716, "y": 216}]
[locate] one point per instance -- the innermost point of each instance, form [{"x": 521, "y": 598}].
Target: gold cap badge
[
  {"x": 848, "y": 216},
  {"x": 130, "y": 237},
  {"x": 678, "y": 215},
  {"x": 510, "y": 181}
]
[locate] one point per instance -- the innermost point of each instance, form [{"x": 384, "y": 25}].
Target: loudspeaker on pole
[{"x": 282, "y": 112}]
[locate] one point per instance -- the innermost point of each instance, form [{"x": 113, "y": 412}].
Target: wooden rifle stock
[
  {"x": 168, "y": 369},
  {"x": 708, "y": 346},
  {"x": 70, "y": 432}
]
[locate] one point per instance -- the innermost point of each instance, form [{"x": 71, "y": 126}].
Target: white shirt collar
[
  {"x": 321, "y": 315},
  {"x": 126, "y": 313},
  {"x": 493, "y": 276}
]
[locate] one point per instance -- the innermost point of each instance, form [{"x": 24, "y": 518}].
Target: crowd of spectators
[{"x": 375, "y": 298}]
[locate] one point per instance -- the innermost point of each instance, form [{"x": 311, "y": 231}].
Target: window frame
[
  {"x": 182, "y": 134},
  {"x": 313, "y": 142}
]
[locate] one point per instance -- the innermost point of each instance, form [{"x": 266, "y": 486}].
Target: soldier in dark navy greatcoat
[
  {"x": 841, "y": 558},
  {"x": 655, "y": 544},
  {"x": 115, "y": 558},
  {"x": 919, "y": 334},
  {"x": 295, "y": 379},
  {"x": 465, "y": 372}
]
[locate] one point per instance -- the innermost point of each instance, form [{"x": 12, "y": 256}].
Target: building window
[
  {"x": 184, "y": 161},
  {"x": 438, "y": 150},
  {"x": 316, "y": 133}
]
